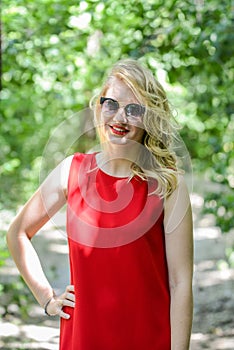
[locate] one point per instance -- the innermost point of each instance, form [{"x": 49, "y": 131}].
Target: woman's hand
[{"x": 57, "y": 303}]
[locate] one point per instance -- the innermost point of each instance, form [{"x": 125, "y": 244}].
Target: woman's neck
[{"x": 114, "y": 165}]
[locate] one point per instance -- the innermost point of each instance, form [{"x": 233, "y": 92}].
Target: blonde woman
[{"x": 129, "y": 227}]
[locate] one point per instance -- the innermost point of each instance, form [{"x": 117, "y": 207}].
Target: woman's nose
[{"x": 120, "y": 116}]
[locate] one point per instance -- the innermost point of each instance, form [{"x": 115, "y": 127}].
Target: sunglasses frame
[{"x": 142, "y": 108}]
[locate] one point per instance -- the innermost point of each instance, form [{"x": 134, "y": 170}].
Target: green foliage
[
  {"x": 56, "y": 53},
  {"x": 12, "y": 292},
  {"x": 228, "y": 262},
  {"x": 16, "y": 293},
  {"x": 4, "y": 253},
  {"x": 230, "y": 256},
  {"x": 221, "y": 205}
]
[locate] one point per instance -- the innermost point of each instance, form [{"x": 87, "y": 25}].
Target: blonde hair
[{"x": 157, "y": 120}]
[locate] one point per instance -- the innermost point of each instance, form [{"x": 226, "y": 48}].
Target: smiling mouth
[{"x": 118, "y": 130}]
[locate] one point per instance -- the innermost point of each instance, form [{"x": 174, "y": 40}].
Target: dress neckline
[{"x": 96, "y": 165}]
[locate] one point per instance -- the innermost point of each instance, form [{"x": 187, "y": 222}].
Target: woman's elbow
[{"x": 14, "y": 234}]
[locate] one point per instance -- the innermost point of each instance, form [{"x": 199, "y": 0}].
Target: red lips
[{"x": 118, "y": 129}]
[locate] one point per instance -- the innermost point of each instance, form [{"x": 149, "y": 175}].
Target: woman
[{"x": 129, "y": 227}]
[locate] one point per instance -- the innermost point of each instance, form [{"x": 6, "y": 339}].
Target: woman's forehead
[{"x": 118, "y": 90}]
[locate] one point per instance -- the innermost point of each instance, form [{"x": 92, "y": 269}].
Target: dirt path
[{"x": 213, "y": 326}]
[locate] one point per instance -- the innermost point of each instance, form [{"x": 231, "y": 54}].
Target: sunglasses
[{"x": 111, "y": 106}]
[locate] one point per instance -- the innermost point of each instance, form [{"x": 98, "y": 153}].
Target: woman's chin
[{"x": 118, "y": 140}]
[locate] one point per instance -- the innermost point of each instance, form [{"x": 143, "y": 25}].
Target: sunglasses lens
[
  {"x": 110, "y": 105},
  {"x": 133, "y": 110}
]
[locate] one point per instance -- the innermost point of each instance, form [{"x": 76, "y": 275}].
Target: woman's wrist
[{"x": 48, "y": 302}]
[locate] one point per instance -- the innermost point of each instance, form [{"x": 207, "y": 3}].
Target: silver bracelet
[{"x": 47, "y": 303}]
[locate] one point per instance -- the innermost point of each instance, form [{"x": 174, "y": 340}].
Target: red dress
[{"x": 117, "y": 262}]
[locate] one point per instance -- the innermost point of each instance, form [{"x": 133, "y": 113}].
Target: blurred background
[{"x": 54, "y": 57}]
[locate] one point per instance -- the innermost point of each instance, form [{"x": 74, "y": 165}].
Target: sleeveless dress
[{"x": 117, "y": 262}]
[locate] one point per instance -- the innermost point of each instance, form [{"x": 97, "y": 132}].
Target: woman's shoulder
[
  {"x": 180, "y": 192},
  {"x": 66, "y": 162},
  {"x": 177, "y": 204},
  {"x": 72, "y": 160}
]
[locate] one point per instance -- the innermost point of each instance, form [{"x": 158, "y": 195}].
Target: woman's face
[{"x": 121, "y": 124}]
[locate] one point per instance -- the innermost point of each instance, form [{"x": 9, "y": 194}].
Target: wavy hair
[{"x": 157, "y": 161}]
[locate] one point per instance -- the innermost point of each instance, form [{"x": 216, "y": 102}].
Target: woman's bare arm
[
  {"x": 179, "y": 249},
  {"x": 45, "y": 202}
]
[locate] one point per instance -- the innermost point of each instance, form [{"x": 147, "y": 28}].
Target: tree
[{"x": 56, "y": 53}]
